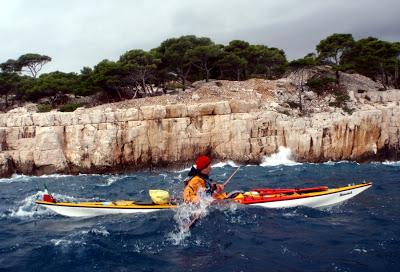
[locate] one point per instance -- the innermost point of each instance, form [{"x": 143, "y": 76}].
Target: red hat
[{"x": 202, "y": 162}]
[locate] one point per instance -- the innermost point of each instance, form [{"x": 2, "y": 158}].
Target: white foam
[
  {"x": 283, "y": 157},
  {"x": 183, "y": 170},
  {"x": 79, "y": 238},
  {"x": 25, "y": 178},
  {"x": 110, "y": 180},
  {"x": 28, "y": 208},
  {"x": 223, "y": 164},
  {"x": 392, "y": 163},
  {"x": 16, "y": 178},
  {"x": 54, "y": 176},
  {"x": 216, "y": 165},
  {"x": 337, "y": 162}
]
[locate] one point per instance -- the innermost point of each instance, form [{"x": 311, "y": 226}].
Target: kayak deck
[{"x": 109, "y": 205}]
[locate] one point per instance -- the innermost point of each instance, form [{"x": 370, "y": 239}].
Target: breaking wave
[
  {"x": 223, "y": 164},
  {"x": 28, "y": 208},
  {"x": 283, "y": 157},
  {"x": 391, "y": 163}
]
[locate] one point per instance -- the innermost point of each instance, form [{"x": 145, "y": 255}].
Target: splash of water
[
  {"x": 283, "y": 157},
  {"x": 28, "y": 208},
  {"x": 186, "y": 215}
]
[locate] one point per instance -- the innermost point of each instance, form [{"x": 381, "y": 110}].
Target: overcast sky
[{"x": 77, "y": 33}]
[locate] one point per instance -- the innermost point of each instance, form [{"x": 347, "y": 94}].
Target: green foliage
[
  {"x": 48, "y": 85},
  {"x": 268, "y": 61},
  {"x": 110, "y": 77},
  {"x": 232, "y": 65},
  {"x": 176, "y": 57},
  {"x": 205, "y": 57},
  {"x": 69, "y": 107},
  {"x": 333, "y": 48},
  {"x": 374, "y": 58},
  {"x": 320, "y": 85},
  {"x": 9, "y": 83},
  {"x": 10, "y": 66},
  {"x": 140, "y": 68},
  {"x": 33, "y": 62},
  {"x": 308, "y": 61},
  {"x": 44, "y": 108}
]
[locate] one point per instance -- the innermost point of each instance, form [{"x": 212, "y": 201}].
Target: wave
[
  {"x": 337, "y": 162},
  {"x": 226, "y": 163},
  {"x": 79, "y": 238},
  {"x": 216, "y": 165},
  {"x": 183, "y": 170},
  {"x": 28, "y": 208},
  {"x": 27, "y": 178},
  {"x": 111, "y": 180},
  {"x": 391, "y": 163},
  {"x": 283, "y": 157},
  {"x": 16, "y": 178}
]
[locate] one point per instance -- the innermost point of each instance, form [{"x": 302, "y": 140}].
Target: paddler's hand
[
  {"x": 220, "y": 188},
  {"x": 217, "y": 188}
]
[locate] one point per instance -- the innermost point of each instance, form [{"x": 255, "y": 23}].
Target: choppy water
[{"x": 362, "y": 234}]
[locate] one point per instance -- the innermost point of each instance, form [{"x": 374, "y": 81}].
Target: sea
[{"x": 362, "y": 234}]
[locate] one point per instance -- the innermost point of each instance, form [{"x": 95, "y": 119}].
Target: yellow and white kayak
[
  {"x": 314, "y": 197},
  {"x": 90, "y": 209}
]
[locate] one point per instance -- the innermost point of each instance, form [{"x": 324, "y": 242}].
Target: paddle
[
  {"x": 230, "y": 178},
  {"x": 197, "y": 216}
]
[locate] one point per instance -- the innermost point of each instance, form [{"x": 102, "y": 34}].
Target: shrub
[
  {"x": 69, "y": 107},
  {"x": 44, "y": 108},
  {"x": 320, "y": 85}
]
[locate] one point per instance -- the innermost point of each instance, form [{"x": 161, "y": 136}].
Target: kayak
[
  {"x": 313, "y": 197},
  {"x": 90, "y": 209}
]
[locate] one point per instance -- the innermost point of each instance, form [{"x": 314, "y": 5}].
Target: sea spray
[
  {"x": 283, "y": 157},
  {"x": 223, "y": 164},
  {"x": 185, "y": 215},
  {"x": 28, "y": 208}
]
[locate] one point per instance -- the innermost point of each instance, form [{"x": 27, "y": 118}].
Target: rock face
[
  {"x": 92, "y": 140},
  {"x": 244, "y": 129}
]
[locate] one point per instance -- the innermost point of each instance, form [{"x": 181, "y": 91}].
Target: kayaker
[{"x": 199, "y": 180}]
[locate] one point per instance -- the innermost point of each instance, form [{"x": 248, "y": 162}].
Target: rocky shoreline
[{"x": 240, "y": 121}]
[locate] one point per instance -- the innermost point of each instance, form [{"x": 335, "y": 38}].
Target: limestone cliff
[{"x": 243, "y": 124}]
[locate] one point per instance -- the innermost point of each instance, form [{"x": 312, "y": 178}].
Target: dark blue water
[{"x": 362, "y": 234}]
